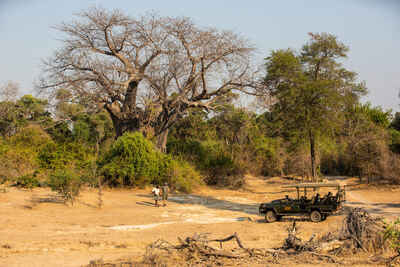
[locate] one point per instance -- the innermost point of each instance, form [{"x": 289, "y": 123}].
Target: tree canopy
[{"x": 311, "y": 89}]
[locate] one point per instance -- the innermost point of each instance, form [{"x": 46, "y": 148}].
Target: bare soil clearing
[{"x": 50, "y": 233}]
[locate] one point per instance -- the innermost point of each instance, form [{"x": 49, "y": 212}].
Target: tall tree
[
  {"x": 27, "y": 109},
  {"x": 147, "y": 72},
  {"x": 311, "y": 89}
]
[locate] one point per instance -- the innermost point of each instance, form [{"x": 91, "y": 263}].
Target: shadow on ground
[
  {"x": 211, "y": 203},
  {"x": 146, "y": 203}
]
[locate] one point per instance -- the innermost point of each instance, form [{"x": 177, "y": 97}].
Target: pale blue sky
[{"x": 370, "y": 27}]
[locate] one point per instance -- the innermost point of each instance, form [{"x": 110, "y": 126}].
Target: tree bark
[
  {"x": 130, "y": 97},
  {"x": 121, "y": 126},
  {"x": 162, "y": 141},
  {"x": 312, "y": 154}
]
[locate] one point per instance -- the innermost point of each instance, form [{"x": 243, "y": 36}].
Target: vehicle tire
[
  {"x": 270, "y": 216},
  {"x": 315, "y": 216}
]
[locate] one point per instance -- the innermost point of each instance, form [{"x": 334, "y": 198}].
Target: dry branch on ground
[
  {"x": 363, "y": 231},
  {"x": 360, "y": 232}
]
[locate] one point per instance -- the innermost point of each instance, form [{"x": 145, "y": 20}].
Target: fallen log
[{"x": 234, "y": 236}]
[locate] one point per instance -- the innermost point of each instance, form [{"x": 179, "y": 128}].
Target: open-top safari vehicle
[{"x": 317, "y": 207}]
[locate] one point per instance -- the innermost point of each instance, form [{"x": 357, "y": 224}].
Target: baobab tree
[{"x": 147, "y": 72}]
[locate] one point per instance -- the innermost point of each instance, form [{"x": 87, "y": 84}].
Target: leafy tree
[
  {"x": 66, "y": 183},
  {"x": 27, "y": 109},
  {"x": 233, "y": 125},
  {"x": 375, "y": 114},
  {"x": 193, "y": 126},
  {"x": 311, "y": 89}
]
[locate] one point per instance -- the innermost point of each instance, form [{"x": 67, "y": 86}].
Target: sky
[{"x": 371, "y": 28}]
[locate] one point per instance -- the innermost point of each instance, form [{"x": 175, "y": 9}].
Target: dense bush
[
  {"x": 182, "y": 176},
  {"x": 27, "y": 181},
  {"x": 394, "y": 140},
  {"x": 54, "y": 156},
  {"x": 32, "y": 136},
  {"x": 211, "y": 158},
  {"x": 19, "y": 153},
  {"x": 392, "y": 235},
  {"x": 219, "y": 165},
  {"x": 66, "y": 183},
  {"x": 270, "y": 156},
  {"x": 133, "y": 161}
]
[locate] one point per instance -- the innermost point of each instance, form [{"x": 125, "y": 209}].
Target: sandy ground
[{"x": 52, "y": 234}]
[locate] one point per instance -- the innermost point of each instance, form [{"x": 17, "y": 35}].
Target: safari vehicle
[{"x": 316, "y": 207}]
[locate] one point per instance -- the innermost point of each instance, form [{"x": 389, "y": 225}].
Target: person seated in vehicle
[
  {"x": 303, "y": 200},
  {"x": 317, "y": 198},
  {"x": 287, "y": 198},
  {"x": 329, "y": 196}
]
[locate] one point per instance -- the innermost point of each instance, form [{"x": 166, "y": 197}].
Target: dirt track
[{"x": 50, "y": 234}]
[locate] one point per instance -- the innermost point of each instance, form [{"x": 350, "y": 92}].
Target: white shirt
[{"x": 156, "y": 191}]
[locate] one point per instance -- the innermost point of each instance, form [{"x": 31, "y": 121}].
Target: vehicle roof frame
[{"x": 315, "y": 186}]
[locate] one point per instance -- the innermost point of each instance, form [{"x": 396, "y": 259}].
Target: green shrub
[
  {"x": 19, "y": 152},
  {"x": 133, "y": 161},
  {"x": 394, "y": 143},
  {"x": 56, "y": 156},
  {"x": 32, "y": 136},
  {"x": 269, "y": 155},
  {"x": 392, "y": 235},
  {"x": 212, "y": 158},
  {"x": 66, "y": 183},
  {"x": 49, "y": 157},
  {"x": 27, "y": 181},
  {"x": 191, "y": 149},
  {"x": 182, "y": 176},
  {"x": 16, "y": 161}
]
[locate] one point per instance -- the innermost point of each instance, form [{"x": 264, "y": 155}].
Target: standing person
[
  {"x": 165, "y": 191},
  {"x": 156, "y": 194}
]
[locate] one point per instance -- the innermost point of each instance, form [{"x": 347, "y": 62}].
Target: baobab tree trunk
[
  {"x": 130, "y": 97},
  {"x": 121, "y": 126},
  {"x": 162, "y": 141},
  {"x": 312, "y": 154},
  {"x": 134, "y": 124}
]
